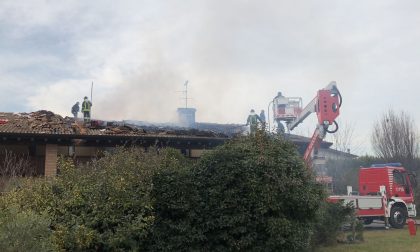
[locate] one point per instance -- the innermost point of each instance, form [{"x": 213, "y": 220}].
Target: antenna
[
  {"x": 186, "y": 94},
  {"x": 91, "y": 97},
  {"x": 91, "y": 93}
]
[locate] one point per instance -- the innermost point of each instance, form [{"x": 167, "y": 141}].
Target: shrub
[
  {"x": 24, "y": 231},
  {"x": 175, "y": 195},
  {"x": 250, "y": 194},
  {"x": 331, "y": 217},
  {"x": 105, "y": 205}
]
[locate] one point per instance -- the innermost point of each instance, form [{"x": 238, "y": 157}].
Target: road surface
[{"x": 379, "y": 225}]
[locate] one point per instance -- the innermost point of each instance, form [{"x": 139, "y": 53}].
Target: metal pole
[
  {"x": 91, "y": 98},
  {"x": 91, "y": 93},
  {"x": 186, "y": 94}
]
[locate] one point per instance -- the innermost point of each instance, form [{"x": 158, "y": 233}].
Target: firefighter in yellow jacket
[
  {"x": 86, "y": 108},
  {"x": 252, "y": 121}
]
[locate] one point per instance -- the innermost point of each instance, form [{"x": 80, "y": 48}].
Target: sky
[{"x": 236, "y": 55}]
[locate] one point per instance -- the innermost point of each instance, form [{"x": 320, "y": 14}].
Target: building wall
[
  {"x": 326, "y": 154},
  {"x": 34, "y": 153},
  {"x": 51, "y": 156},
  {"x": 330, "y": 154},
  {"x": 197, "y": 153},
  {"x": 43, "y": 157}
]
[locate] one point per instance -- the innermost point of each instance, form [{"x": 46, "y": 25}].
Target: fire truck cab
[{"x": 385, "y": 193}]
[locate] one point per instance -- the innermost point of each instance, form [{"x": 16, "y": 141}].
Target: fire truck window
[
  {"x": 399, "y": 178},
  {"x": 413, "y": 180}
]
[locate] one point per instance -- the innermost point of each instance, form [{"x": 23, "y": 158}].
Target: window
[
  {"x": 413, "y": 180},
  {"x": 398, "y": 178}
]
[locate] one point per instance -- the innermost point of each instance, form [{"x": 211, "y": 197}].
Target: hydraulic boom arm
[
  {"x": 326, "y": 105},
  {"x": 314, "y": 144}
]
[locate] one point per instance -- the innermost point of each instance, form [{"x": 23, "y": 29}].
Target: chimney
[{"x": 186, "y": 117}]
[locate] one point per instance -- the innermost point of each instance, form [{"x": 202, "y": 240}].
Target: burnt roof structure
[
  {"x": 45, "y": 136},
  {"x": 46, "y": 126}
]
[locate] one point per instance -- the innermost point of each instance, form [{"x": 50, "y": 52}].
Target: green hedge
[
  {"x": 24, "y": 230},
  {"x": 106, "y": 205},
  {"x": 251, "y": 194}
]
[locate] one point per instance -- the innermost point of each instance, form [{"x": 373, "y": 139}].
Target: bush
[
  {"x": 252, "y": 194},
  {"x": 104, "y": 206},
  {"x": 331, "y": 217},
  {"x": 24, "y": 231},
  {"x": 175, "y": 198}
]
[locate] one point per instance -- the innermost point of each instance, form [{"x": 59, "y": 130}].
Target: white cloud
[{"x": 237, "y": 55}]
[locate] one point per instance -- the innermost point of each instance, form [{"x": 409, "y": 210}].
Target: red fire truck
[
  {"x": 385, "y": 193},
  {"x": 386, "y": 190}
]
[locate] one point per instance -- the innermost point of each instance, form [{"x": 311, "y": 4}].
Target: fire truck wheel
[
  {"x": 367, "y": 221},
  {"x": 397, "y": 218}
]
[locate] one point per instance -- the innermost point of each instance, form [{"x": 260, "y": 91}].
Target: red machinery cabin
[
  {"x": 385, "y": 193},
  {"x": 328, "y": 108},
  {"x": 393, "y": 176}
]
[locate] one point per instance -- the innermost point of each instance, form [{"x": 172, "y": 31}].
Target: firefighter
[
  {"x": 253, "y": 122},
  {"x": 262, "y": 119},
  {"x": 280, "y": 106},
  {"x": 86, "y": 107},
  {"x": 75, "y": 110}
]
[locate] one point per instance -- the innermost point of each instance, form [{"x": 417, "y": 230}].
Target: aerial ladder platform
[{"x": 326, "y": 104}]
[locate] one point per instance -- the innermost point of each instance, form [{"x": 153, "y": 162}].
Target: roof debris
[
  {"x": 46, "y": 122},
  {"x": 43, "y": 122}
]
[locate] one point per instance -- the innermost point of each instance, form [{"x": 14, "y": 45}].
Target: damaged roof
[
  {"x": 48, "y": 123},
  {"x": 45, "y": 126},
  {"x": 40, "y": 122}
]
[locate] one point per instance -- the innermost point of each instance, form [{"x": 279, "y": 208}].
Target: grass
[{"x": 382, "y": 241}]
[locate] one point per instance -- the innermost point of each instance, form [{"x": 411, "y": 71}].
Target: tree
[
  {"x": 394, "y": 138},
  {"x": 343, "y": 138},
  {"x": 344, "y": 169}
]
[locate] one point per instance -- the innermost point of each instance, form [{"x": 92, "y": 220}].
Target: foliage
[
  {"x": 13, "y": 166},
  {"x": 357, "y": 228},
  {"x": 24, "y": 230},
  {"x": 331, "y": 218},
  {"x": 252, "y": 194},
  {"x": 175, "y": 196},
  {"x": 249, "y": 194},
  {"x": 105, "y": 205}
]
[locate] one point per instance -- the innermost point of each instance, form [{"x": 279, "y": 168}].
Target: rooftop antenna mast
[
  {"x": 91, "y": 96},
  {"x": 91, "y": 93},
  {"x": 186, "y": 94}
]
